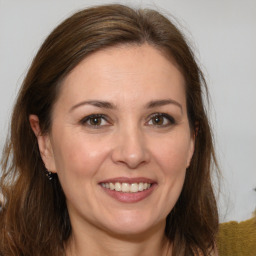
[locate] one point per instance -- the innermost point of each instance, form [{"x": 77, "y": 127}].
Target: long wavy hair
[{"x": 34, "y": 220}]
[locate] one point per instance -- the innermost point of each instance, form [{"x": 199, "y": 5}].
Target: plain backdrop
[{"x": 223, "y": 36}]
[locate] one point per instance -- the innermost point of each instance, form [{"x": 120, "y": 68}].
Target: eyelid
[
  {"x": 171, "y": 120},
  {"x": 85, "y": 119}
]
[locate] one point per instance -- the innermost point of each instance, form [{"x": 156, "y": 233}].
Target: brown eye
[
  {"x": 95, "y": 120},
  {"x": 158, "y": 120},
  {"x": 161, "y": 120}
]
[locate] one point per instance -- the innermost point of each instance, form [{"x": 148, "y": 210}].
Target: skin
[{"x": 127, "y": 142}]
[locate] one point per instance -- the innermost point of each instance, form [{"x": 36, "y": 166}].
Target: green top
[{"x": 237, "y": 239}]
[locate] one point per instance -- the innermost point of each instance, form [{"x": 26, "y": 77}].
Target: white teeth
[
  {"x": 134, "y": 187},
  {"x": 126, "y": 187},
  {"x": 118, "y": 186},
  {"x": 111, "y": 186}
]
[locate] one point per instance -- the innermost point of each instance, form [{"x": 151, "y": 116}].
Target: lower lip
[{"x": 130, "y": 197}]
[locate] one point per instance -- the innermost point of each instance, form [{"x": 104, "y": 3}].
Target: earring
[{"x": 49, "y": 174}]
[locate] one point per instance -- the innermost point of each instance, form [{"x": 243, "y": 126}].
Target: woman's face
[{"x": 120, "y": 140}]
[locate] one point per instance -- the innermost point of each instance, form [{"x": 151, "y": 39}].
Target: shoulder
[{"x": 237, "y": 237}]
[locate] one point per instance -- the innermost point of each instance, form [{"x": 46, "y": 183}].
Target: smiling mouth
[{"x": 126, "y": 187}]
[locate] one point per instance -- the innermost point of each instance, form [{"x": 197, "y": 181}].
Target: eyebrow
[
  {"x": 159, "y": 103},
  {"x": 108, "y": 105},
  {"x": 96, "y": 103}
]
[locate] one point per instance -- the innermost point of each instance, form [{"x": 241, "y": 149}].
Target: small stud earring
[{"x": 49, "y": 174}]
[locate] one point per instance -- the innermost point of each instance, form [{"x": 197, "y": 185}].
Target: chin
[{"x": 130, "y": 224}]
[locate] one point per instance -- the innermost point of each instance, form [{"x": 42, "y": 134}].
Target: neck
[{"x": 97, "y": 243}]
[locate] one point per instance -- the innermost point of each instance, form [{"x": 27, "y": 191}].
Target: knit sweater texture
[{"x": 237, "y": 239}]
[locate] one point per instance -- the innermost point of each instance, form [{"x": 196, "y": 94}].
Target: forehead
[{"x": 124, "y": 73}]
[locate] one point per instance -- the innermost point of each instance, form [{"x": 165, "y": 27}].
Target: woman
[{"x": 111, "y": 111}]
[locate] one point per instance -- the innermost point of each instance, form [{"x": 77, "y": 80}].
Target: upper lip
[{"x": 128, "y": 180}]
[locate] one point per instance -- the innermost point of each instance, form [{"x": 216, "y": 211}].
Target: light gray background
[{"x": 223, "y": 34}]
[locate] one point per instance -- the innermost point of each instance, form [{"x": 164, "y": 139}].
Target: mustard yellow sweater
[{"x": 237, "y": 239}]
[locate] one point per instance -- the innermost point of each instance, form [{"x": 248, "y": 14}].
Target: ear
[
  {"x": 44, "y": 144},
  {"x": 191, "y": 148}
]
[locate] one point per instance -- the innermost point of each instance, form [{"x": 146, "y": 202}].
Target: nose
[{"x": 130, "y": 148}]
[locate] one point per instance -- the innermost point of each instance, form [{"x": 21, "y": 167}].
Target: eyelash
[
  {"x": 101, "y": 117},
  {"x": 168, "y": 118}
]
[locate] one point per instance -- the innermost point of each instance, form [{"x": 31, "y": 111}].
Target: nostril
[
  {"x": 131, "y": 158},
  {"x": 130, "y": 148}
]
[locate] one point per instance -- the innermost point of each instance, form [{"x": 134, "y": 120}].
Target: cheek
[
  {"x": 78, "y": 161},
  {"x": 78, "y": 155},
  {"x": 172, "y": 155},
  {"x": 171, "y": 158}
]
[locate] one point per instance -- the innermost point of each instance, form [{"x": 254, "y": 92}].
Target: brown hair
[{"x": 34, "y": 218}]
